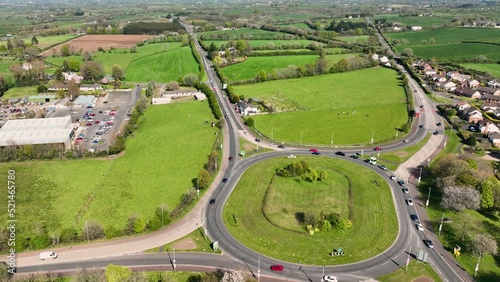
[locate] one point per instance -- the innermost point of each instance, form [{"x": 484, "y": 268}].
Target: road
[{"x": 237, "y": 256}]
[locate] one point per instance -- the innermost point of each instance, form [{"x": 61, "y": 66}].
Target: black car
[
  {"x": 212, "y": 201},
  {"x": 257, "y": 140},
  {"x": 316, "y": 153},
  {"x": 435, "y": 133},
  {"x": 355, "y": 157},
  {"x": 401, "y": 183},
  {"x": 438, "y": 124},
  {"x": 414, "y": 217},
  {"x": 281, "y": 146},
  {"x": 421, "y": 126},
  {"x": 224, "y": 180},
  {"x": 340, "y": 153},
  {"x": 428, "y": 243}
]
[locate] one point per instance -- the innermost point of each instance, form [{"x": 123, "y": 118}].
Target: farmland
[
  {"x": 298, "y": 25},
  {"x": 425, "y": 21},
  {"x": 45, "y": 41},
  {"x": 239, "y": 33},
  {"x": 280, "y": 236},
  {"x": 446, "y": 35},
  {"x": 353, "y": 39},
  {"x": 350, "y": 106},
  {"x": 251, "y": 67},
  {"x": 493, "y": 69},
  {"x": 73, "y": 191},
  {"x": 271, "y": 44},
  {"x": 455, "y": 51}
]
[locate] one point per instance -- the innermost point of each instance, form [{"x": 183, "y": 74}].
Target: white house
[
  {"x": 416, "y": 27},
  {"x": 494, "y": 138},
  {"x": 487, "y": 127},
  {"x": 494, "y": 83},
  {"x": 462, "y": 106},
  {"x": 472, "y": 83},
  {"x": 430, "y": 72},
  {"x": 383, "y": 59},
  {"x": 449, "y": 86},
  {"x": 161, "y": 100}
]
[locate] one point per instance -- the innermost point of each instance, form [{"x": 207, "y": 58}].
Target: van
[{"x": 48, "y": 255}]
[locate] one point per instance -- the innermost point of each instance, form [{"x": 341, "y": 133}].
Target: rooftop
[{"x": 35, "y": 131}]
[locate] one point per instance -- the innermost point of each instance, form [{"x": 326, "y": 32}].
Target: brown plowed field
[{"x": 93, "y": 42}]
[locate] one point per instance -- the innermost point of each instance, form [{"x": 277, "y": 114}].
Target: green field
[
  {"x": 299, "y": 25},
  {"x": 412, "y": 20},
  {"x": 322, "y": 106},
  {"x": 251, "y": 67},
  {"x": 454, "y": 50},
  {"x": 353, "y": 39},
  {"x": 239, "y": 33},
  {"x": 493, "y": 69},
  {"x": 447, "y": 35},
  {"x": 19, "y": 92},
  {"x": 263, "y": 43},
  {"x": 45, "y": 41},
  {"x": 373, "y": 215},
  {"x": 118, "y": 57},
  {"x": 416, "y": 269},
  {"x": 156, "y": 169},
  {"x": 163, "y": 67}
]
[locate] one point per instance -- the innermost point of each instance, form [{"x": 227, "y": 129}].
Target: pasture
[
  {"x": 156, "y": 169},
  {"x": 425, "y": 21},
  {"x": 350, "y": 106},
  {"x": 493, "y": 69},
  {"x": 446, "y": 35},
  {"x": 279, "y": 236},
  {"x": 240, "y": 33},
  {"x": 45, "y": 41},
  {"x": 270, "y": 44},
  {"x": 19, "y": 92},
  {"x": 353, "y": 39},
  {"x": 454, "y": 50},
  {"x": 163, "y": 67},
  {"x": 251, "y": 67},
  {"x": 298, "y": 25}
]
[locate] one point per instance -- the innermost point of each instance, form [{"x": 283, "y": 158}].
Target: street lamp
[
  {"x": 420, "y": 176},
  {"x": 428, "y": 197}
]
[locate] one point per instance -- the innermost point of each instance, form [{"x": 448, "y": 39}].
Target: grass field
[
  {"x": 299, "y": 25},
  {"x": 117, "y": 57},
  {"x": 157, "y": 168},
  {"x": 447, "y": 35},
  {"x": 19, "y": 92},
  {"x": 412, "y": 20},
  {"x": 202, "y": 243},
  {"x": 393, "y": 159},
  {"x": 251, "y": 67},
  {"x": 262, "y": 43},
  {"x": 373, "y": 216},
  {"x": 324, "y": 106},
  {"x": 416, "y": 269},
  {"x": 455, "y": 50},
  {"x": 493, "y": 69},
  {"x": 163, "y": 67},
  {"x": 238, "y": 33},
  {"x": 353, "y": 39},
  {"x": 46, "y": 41}
]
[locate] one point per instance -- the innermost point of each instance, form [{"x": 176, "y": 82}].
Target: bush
[
  {"x": 471, "y": 141},
  {"x": 112, "y": 232},
  {"x": 250, "y": 122},
  {"x": 69, "y": 235}
]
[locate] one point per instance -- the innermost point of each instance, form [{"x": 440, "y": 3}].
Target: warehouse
[{"x": 37, "y": 131}]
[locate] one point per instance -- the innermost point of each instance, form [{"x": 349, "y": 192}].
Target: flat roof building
[
  {"x": 84, "y": 101},
  {"x": 37, "y": 131}
]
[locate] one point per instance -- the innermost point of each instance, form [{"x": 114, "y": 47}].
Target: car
[
  {"x": 281, "y": 146},
  {"x": 106, "y": 131},
  {"x": 277, "y": 267},
  {"x": 98, "y": 133},
  {"x": 377, "y": 148},
  {"x": 88, "y": 124},
  {"x": 393, "y": 177},
  {"x": 428, "y": 243},
  {"x": 96, "y": 122},
  {"x": 414, "y": 217},
  {"x": 340, "y": 153},
  {"x": 421, "y": 126},
  {"x": 312, "y": 150},
  {"x": 329, "y": 278},
  {"x": 272, "y": 144},
  {"x": 438, "y": 124},
  {"x": 420, "y": 227},
  {"x": 48, "y": 255},
  {"x": 100, "y": 112},
  {"x": 421, "y": 106},
  {"x": 316, "y": 153},
  {"x": 230, "y": 158},
  {"x": 81, "y": 135},
  {"x": 382, "y": 167},
  {"x": 402, "y": 183},
  {"x": 409, "y": 202},
  {"x": 112, "y": 113},
  {"x": 406, "y": 191},
  {"x": 105, "y": 102},
  {"x": 92, "y": 115},
  {"x": 95, "y": 141},
  {"x": 354, "y": 157},
  {"x": 435, "y": 133},
  {"x": 473, "y": 129},
  {"x": 257, "y": 140},
  {"x": 86, "y": 140},
  {"x": 224, "y": 180},
  {"x": 79, "y": 139},
  {"x": 406, "y": 140},
  {"x": 212, "y": 201}
]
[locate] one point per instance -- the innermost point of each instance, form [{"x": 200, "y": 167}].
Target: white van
[{"x": 48, "y": 255}]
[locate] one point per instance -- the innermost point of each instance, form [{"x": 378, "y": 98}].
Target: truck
[{"x": 48, "y": 255}]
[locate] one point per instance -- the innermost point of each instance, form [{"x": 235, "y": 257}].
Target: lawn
[
  {"x": 119, "y": 57},
  {"x": 373, "y": 215},
  {"x": 240, "y": 33},
  {"x": 393, "y": 159},
  {"x": 352, "y": 106},
  {"x": 454, "y": 50},
  {"x": 447, "y": 35},
  {"x": 202, "y": 243},
  {"x": 493, "y": 69},
  {"x": 253, "y": 65},
  {"x": 19, "y": 92},
  {"x": 163, "y": 67},
  {"x": 416, "y": 269},
  {"x": 156, "y": 169},
  {"x": 265, "y": 43}
]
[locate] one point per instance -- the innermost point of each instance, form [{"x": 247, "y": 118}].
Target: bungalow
[
  {"x": 472, "y": 83},
  {"x": 90, "y": 87},
  {"x": 491, "y": 99},
  {"x": 488, "y": 90},
  {"x": 439, "y": 78},
  {"x": 247, "y": 109},
  {"x": 467, "y": 92},
  {"x": 416, "y": 27},
  {"x": 489, "y": 108},
  {"x": 494, "y": 83},
  {"x": 462, "y": 106},
  {"x": 457, "y": 76},
  {"x": 449, "y": 86},
  {"x": 430, "y": 72},
  {"x": 473, "y": 115},
  {"x": 487, "y": 127},
  {"x": 494, "y": 138}
]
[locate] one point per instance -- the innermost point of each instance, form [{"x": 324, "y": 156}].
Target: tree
[
  {"x": 233, "y": 276},
  {"x": 150, "y": 91},
  {"x": 73, "y": 89},
  {"x": 217, "y": 60},
  {"x": 471, "y": 141},
  {"x": 250, "y": 122},
  {"x": 262, "y": 75},
  {"x": 460, "y": 198},
  {"x": 487, "y": 199},
  {"x": 65, "y": 52},
  {"x": 41, "y": 88},
  {"x": 185, "y": 40},
  {"x": 408, "y": 52},
  {"x": 203, "y": 180},
  {"x": 87, "y": 56},
  {"x": 4, "y": 86},
  {"x": 90, "y": 275},
  {"x": 73, "y": 66},
  {"x": 117, "y": 273},
  {"x": 117, "y": 72},
  {"x": 172, "y": 85},
  {"x": 190, "y": 79},
  {"x": 92, "y": 230},
  {"x": 241, "y": 46},
  {"x": 483, "y": 244},
  {"x": 34, "y": 40},
  {"x": 58, "y": 75},
  {"x": 92, "y": 71}
]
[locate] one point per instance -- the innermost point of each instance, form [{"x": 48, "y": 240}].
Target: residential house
[
  {"x": 489, "y": 108},
  {"x": 467, "y": 92},
  {"x": 247, "y": 109},
  {"x": 91, "y": 87},
  {"x": 396, "y": 28},
  {"x": 472, "y": 83},
  {"x": 487, "y": 127},
  {"x": 73, "y": 76},
  {"x": 491, "y": 99},
  {"x": 449, "y": 86},
  {"x": 495, "y": 83},
  {"x": 457, "y": 76},
  {"x": 494, "y": 138},
  {"x": 439, "y": 78},
  {"x": 462, "y": 106},
  {"x": 430, "y": 72},
  {"x": 488, "y": 90},
  {"x": 472, "y": 115}
]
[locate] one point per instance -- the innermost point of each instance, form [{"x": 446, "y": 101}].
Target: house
[
  {"x": 383, "y": 59},
  {"x": 462, "y": 106},
  {"x": 396, "y": 28},
  {"x": 91, "y": 87},
  {"x": 416, "y": 27},
  {"x": 472, "y": 115},
  {"x": 495, "y": 83},
  {"x": 489, "y": 108},
  {"x": 488, "y": 90},
  {"x": 487, "y": 127},
  {"x": 247, "y": 109},
  {"x": 200, "y": 96},
  {"x": 72, "y": 76},
  {"x": 457, "y": 76},
  {"x": 161, "y": 100},
  {"x": 494, "y": 138},
  {"x": 491, "y": 99},
  {"x": 472, "y": 83},
  {"x": 439, "y": 78},
  {"x": 467, "y": 92},
  {"x": 449, "y": 86},
  {"x": 430, "y": 72}
]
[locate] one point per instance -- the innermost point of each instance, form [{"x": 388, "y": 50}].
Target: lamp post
[
  {"x": 428, "y": 198},
  {"x": 441, "y": 225},
  {"x": 258, "y": 271},
  {"x": 477, "y": 266},
  {"x": 301, "y": 137},
  {"x": 420, "y": 176},
  {"x": 173, "y": 261}
]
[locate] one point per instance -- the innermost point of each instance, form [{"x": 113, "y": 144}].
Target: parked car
[
  {"x": 96, "y": 122},
  {"x": 88, "y": 124},
  {"x": 340, "y": 153},
  {"x": 48, "y": 255},
  {"x": 428, "y": 243},
  {"x": 86, "y": 140},
  {"x": 420, "y": 227},
  {"x": 277, "y": 267},
  {"x": 79, "y": 139}
]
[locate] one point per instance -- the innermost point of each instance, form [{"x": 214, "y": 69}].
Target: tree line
[{"x": 153, "y": 27}]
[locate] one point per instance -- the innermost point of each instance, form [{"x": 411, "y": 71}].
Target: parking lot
[{"x": 99, "y": 125}]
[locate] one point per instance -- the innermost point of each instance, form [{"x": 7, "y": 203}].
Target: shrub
[{"x": 471, "y": 141}]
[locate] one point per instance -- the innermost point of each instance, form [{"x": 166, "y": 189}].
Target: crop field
[
  {"x": 412, "y": 20},
  {"x": 93, "y": 42},
  {"x": 282, "y": 200},
  {"x": 350, "y": 106},
  {"x": 447, "y": 35},
  {"x": 352, "y": 39},
  {"x": 251, "y": 67},
  {"x": 236, "y": 34},
  {"x": 493, "y": 69},
  {"x": 119, "y": 57},
  {"x": 163, "y": 67},
  {"x": 157, "y": 168},
  {"x": 262, "y": 43},
  {"x": 455, "y": 50}
]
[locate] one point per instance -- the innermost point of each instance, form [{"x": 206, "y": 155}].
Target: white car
[
  {"x": 329, "y": 279},
  {"x": 409, "y": 202},
  {"x": 420, "y": 227},
  {"x": 406, "y": 141},
  {"x": 48, "y": 255}
]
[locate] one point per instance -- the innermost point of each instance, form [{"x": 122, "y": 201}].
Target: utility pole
[
  {"x": 173, "y": 261},
  {"x": 332, "y": 140},
  {"x": 301, "y": 137},
  {"x": 441, "y": 225},
  {"x": 428, "y": 198},
  {"x": 258, "y": 271}
]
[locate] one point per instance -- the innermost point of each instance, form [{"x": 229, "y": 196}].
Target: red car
[
  {"x": 112, "y": 113},
  {"x": 277, "y": 267},
  {"x": 313, "y": 150},
  {"x": 92, "y": 115},
  {"x": 79, "y": 139},
  {"x": 88, "y": 124},
  {"x": 96, "y": 122},
  {"x": 378, "y": 148},
  {"x": 230, "y": 158}
]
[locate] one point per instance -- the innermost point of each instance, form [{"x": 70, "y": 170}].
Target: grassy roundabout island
[{"x": 270, "y": 213}]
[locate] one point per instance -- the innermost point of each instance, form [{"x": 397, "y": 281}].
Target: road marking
[
  {"x": 385, "y": 262},
  {"x": 372, "y": 268}
]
